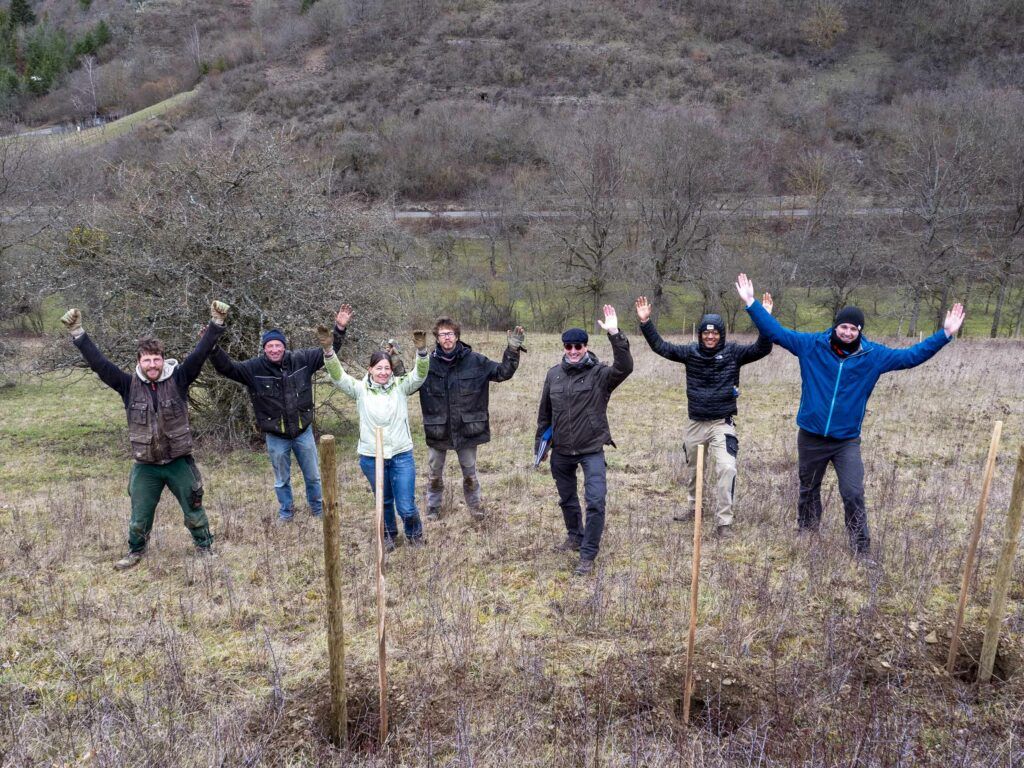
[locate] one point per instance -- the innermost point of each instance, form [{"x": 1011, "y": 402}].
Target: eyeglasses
[
  {"x": 446, "y": 335},
  {"x": 576, "y": 347}
]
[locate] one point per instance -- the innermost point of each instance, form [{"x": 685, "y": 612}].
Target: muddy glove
[
  {"x": 72, "y": 320},
  {"x": 326, "y": 339},
  {"x": 516, "y": 339},
  {"x": 219, "y": 312},
  {"x": 419, "y": 340}
]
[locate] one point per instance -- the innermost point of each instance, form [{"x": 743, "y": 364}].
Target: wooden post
[
  {"x": 332, "y": 572},
  {"x": 1004, "y": 570},
  {"x": 972, "y": 547},
  {"x": 382, "y": 653},
  {"x": 694, "y": 582}
]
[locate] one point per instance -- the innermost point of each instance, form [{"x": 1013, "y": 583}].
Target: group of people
[{"x": 838, "y": 366}]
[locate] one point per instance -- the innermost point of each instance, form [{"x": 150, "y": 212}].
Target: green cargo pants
[{"x": 146, "y": 484}]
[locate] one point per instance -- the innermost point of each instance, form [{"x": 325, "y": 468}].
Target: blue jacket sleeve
[
  {"x": 795, "y": 341},
  {"x": 898, "y": 359}
]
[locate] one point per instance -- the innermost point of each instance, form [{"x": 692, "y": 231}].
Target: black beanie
[{"x": 851, "y": 315}]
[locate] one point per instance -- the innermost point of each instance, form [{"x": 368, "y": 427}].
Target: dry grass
[{"x": 497, "y": 655}]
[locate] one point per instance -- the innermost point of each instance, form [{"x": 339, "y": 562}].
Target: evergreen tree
[{"x": 22, "y": 13}]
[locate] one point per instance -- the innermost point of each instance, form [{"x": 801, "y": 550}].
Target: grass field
[{"x": 498, "y": 656}]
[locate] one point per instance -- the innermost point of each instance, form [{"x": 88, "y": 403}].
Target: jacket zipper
[{"x": 835, "y": 391}]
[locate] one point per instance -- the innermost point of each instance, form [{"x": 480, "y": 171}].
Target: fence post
[
  {"x": 332, "y": 574},
  {"x": 1004, "y": 570},
  {"x": 972, "y": 547},
  {"x": 382, "y": 653},
  {"x": 691, "y": 639}
]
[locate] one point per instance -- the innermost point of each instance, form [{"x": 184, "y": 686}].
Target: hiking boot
[
  {"x": 585, "y": 567},
  {"x": 724, "y": 532},
  {"x": 206, "y": 553},
  {"x": 389, "y": 545},
  {"x": 433, "y": 514},
  {"x": 478, "y": 513},
  {"x": 571, "y": 544},
  {"x": 684, "y": 516},
  {"x": 128, "y": 561},
  {"x": 418, "y": 543},
  {"x": 284, "y": 519}
]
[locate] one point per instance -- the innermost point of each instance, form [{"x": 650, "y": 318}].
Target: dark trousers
[
  {"x": 145, "y": 485},
  {"x": 595, "y": 487},
  {"x": 815, "y": 452}
]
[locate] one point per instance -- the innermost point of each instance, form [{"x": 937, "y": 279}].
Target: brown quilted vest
[{"x": 158, "y": 436}]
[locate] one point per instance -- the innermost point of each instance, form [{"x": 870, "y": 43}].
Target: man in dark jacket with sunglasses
[
  {"x": 574, "y": 406},
  {"x": 712, "y": 386}
]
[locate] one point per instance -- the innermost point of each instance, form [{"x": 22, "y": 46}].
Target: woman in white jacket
[{"x": 382, "y": 401}]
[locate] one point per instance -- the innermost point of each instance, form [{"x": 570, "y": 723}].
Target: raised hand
[
  {"x": 344, "y": 316},
  {"x": 745, "y": 288},
  {"x": 326, "y": 339},
  {"x": 611, "y": 320},
  {"x": 643, "y": 309},
  {"x": 954, "y": 319},
  {"x": 419, "y": 340},
  {"x": 767, "y": 303},
  {"x": 219, "y": 312},
  {"x": 72, "y": 320},
  {"x": 516, "y": 338}
]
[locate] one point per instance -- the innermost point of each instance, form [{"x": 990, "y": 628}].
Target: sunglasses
[{"x": 574, "y": 346}]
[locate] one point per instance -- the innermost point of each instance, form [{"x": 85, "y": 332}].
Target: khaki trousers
[{"x": 720, "y": 448}]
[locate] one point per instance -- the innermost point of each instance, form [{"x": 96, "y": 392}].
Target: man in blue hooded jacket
[{"x": 838, "y": 371}]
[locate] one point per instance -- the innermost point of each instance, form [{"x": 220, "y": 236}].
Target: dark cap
[
  {"x": 575, "y": 336},
  {"x": 712, "y": 322},
  {"x": 274, "y": 334},
  {"x": 851, "y": 315}
]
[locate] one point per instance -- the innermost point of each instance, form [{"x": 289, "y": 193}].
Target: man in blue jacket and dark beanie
[{"x": 838, "y": 371}]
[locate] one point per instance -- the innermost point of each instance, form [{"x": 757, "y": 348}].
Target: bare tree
[
  {"x": 235, "y": 223},
  {"x": 590, "y": 172}
]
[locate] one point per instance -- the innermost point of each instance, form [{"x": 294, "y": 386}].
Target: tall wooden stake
[
  {"x": 694, "y": 583},
  {"x": 1004, "y": 570},
  {"x": 382, "y": 652},
  {"x": 972, "y": 547},
  {"x": 332, "y": 573}
]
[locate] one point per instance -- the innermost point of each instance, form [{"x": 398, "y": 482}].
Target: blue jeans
[
  {"x": 280, "y": 451},
  {"x": 399, "y": 491}
]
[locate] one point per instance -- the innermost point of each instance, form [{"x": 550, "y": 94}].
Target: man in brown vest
[{"x": 155, "y": 398}]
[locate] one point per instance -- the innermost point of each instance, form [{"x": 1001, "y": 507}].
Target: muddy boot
[
  {"x": 585, "y": 567},
  {"x": 571, "y": 544},
  {"x": 128, "y": 561},
  {"x": 433, "y": 514},
  {"x": 478, "y": 512},
  {"x": 684, "y": 515},
  {"x": 724, "y": 531}
]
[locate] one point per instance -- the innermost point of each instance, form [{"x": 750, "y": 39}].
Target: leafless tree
[
  {"x": 590, "y": 170},
  {"x": 237, "y": 223}
]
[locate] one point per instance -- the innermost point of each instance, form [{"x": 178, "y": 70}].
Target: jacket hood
[{"x": 169, "y": 365}]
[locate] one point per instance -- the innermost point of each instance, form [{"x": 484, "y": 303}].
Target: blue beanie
[
  {"x": 575, "y": 336},
  {"x": 274, "y": 334}
]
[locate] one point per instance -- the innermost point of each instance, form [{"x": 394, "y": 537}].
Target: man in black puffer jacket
[
  {"x": 574, "y": 405},
  {"x": 454, "y": 399},
  {"x": 712, "y": 386}
]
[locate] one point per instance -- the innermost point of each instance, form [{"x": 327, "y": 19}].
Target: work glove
[
  {"x": 72, "y": 320},
  {"x": 516, "y": 338},
  {"x": 219, "y": 312},
  {"x": 419, "y": 340},
  {"x": 326, "y": 339}
]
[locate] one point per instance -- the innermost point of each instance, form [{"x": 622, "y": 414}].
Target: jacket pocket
[
  {"x": 474, "y": 424},
  {"x": 179, "y": 440},
  {"x": 137, "y": 414},
  {"x": 435, "y": 426}
]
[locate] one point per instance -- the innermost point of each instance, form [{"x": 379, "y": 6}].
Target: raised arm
[
  {"x": 109, "y": 373},
  {"x": 677, "y": 353},
  {"x": 622, "y": 361},
  {"x": 230, "y": 369},
  {"x": 510, "y": 359},
  {"x": 193, "y": 364},
  {"x": 899, "y": 359},
  {"x": 340, "y": 379},
  {"x": 414, "y": 380},
  {"x": 767, "y": 325}
]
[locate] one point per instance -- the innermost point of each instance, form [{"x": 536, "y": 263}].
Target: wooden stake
[
  {"x": 972, "y": 547},
  {"x": 694, "y": 582},
  {"x": 332, "y": 573},
  {"x": 1004, "y": 570},
  {"x": 382, "y": 653}
]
